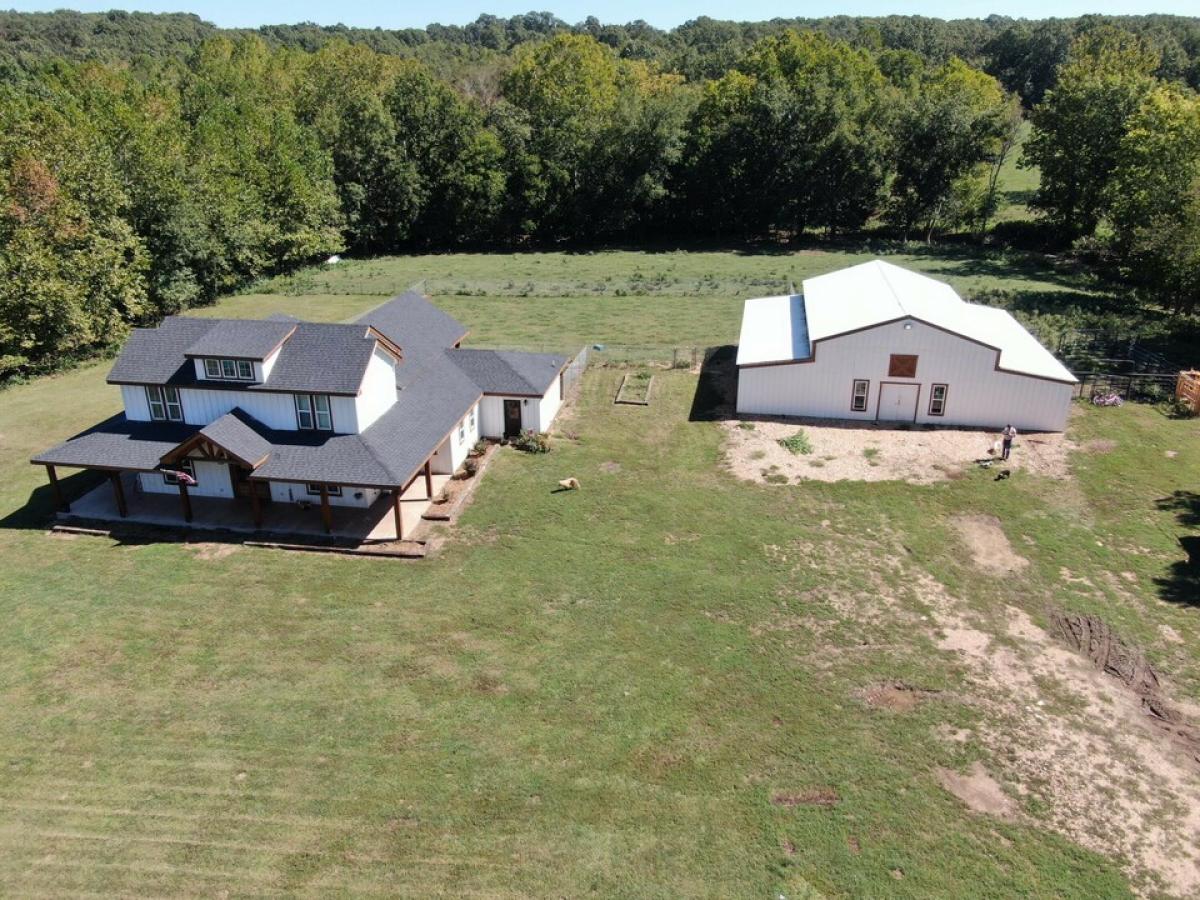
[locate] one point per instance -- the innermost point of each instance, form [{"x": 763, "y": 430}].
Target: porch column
[
  {"x": 326, "y": 512},
  {"x": 255, "y": 504},
  {"x": 59, "y": 500},
  {"x": 185, "y": 501},
  {"x": 428, "y": 481},
  {"x": 396, "y": 512},
  {"x": 119, "y": 493}
]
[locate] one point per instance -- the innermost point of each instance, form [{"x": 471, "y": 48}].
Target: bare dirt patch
[
  {"x": 818, "y": 796},
  {"x": 867, "y": 452},
  {"x": 979, "y": 791},
  {"x": 610, "y": 467},
  {"x": 1103, "y": 769},
  {"x": 1100, "y": 445},
  {"x": 209, "y": 551},
  {"x": 988, "y": 544},
  {"x": 895, "y": 695}
]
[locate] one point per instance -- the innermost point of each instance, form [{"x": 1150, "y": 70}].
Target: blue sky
[{"x": 664, "y": 14}]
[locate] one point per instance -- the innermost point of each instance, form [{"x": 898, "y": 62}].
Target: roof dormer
[{"x": 239, "y": 351}]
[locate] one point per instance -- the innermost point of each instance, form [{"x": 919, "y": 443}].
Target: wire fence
[{"x": 1142, "y": 387}]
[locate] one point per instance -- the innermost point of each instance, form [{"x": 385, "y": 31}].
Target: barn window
[
  {"x": 314, "y": 489},
  {"x": 937, "y": 399},
  {"x": 858, "y": 398},
  {"x": 902, "y": 366}
]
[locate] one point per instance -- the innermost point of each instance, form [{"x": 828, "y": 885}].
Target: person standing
[{"x": 1006, "y": 440}]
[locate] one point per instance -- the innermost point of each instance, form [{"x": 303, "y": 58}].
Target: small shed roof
[{"x": 780, "y": 329}]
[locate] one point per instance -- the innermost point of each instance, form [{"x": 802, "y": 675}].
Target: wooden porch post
[
  {"x": 59, "y": 500},
  {"x": 428, "y": 481},
  {"x": 119, "y": 493},
  {"x": 255, "y": 504},
  {"x": 396, "y": 512},
  {"x": 326, "y": 512},
  {"x": 185, "y": 501}
]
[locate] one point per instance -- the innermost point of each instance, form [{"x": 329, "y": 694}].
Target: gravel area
[{"x": 854, "y": 451}]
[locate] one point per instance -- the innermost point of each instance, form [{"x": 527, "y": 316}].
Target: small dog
[
  {"x": 1003, "y": 473},
  {"x": 569, "y": 484}
]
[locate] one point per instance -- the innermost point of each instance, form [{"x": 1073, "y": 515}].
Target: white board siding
[
  {"x": 549, "y": 404},
  {"x": 378, "y": 390},
  {"x": 137, "y": 407},
  {"x": 460, "y": 447},
  {"x": 491, "y": 415},
  {"x": 212, "y": 480},
  {"x": 978, "y": 395},
  {"x": 288, "y": 492},
  {"x": 201, "y": 407}
]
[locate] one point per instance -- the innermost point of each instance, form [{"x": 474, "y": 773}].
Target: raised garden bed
[{"x": 635, "y": 388}]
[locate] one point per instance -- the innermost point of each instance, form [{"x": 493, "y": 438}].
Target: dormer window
[{"x": 229, "y": 369}]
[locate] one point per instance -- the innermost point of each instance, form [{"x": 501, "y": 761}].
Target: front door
[
  {"x": 512, "y": 418},
  {"x": 897, "y": 402}
]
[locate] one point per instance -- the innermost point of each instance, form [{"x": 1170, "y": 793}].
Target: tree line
[{"x": 137, "y": 188}]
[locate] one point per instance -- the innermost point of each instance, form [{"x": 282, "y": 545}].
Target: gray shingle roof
[
  {"x": 414, "y": 324},
  {"x": 318, "y": 357},
  {"x": 508, "y": 372},
  {"x": 117, "y": 443},
  {"x": 242, "y": 339},
  {"x": 156, "y": 355},
  {"x": 240, "y": 434}
]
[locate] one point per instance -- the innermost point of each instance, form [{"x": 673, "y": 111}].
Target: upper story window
[
  {"x": 229, "y": 369},
  {"x": 164, "y": 404},
  {"x": 902, "y": 365},
  {"x": 313, "y": 412}
]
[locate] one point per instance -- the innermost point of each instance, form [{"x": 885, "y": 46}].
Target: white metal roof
[{"x": 778, "y": 329}]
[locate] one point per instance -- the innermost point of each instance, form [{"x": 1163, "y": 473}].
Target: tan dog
[{"x": 569, "y": 484}]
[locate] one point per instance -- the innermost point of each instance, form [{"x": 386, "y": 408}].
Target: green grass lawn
[
  {"x": 608, "y": 692},
  {"x": 1017, "y": 185}
]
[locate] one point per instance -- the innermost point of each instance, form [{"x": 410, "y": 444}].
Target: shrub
[
  {"x": 531, "y": 442},
  {"x": 796, "y": 443},
  {"x": 479, "y": 447},
  {"x": 471, "y": 467}
]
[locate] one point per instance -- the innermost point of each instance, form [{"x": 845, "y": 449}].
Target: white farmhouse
[
  {"x": 280, "y": 413},
  {"x": 876, "y": 342}
]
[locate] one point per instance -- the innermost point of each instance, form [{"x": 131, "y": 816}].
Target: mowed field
[{"x": 670, "y": 683}]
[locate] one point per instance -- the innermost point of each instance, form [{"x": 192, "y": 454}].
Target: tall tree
[{"x": 1078, "y": 128}]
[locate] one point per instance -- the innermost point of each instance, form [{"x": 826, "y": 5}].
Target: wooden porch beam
[
  {"x": 185, "y": 501},
  {"x": 428, "y": 480},
  {"x": 326, "y": 512},
  {"x": 396, "y": 513},
  {"x": 256, "y": 504},
  {"x": 59, "y": 500},
  {"x": 119, "y": 493}
]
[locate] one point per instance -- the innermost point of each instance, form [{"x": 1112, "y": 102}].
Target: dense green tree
[
  {"x": 797, "y": 138},
  {"x": 1077, "y": 130},
  {"x": 71, "y": 269},
  {"x": 955, "y": 120}
]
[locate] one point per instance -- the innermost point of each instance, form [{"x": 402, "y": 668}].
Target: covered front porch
[{"x": 121, "y": 498}]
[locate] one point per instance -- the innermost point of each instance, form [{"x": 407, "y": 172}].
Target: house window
[
  {"x": 184, "y": 465},
  {"x": 473, "y": 408},
  {"x": 314, "y": 490},
  {"x": 229, "y": 369},
  {"x": 462, "y": 431},
  {"x": 165, "y": 405},
  {"x": 312, "y": 412},
  {"x": 937, "y": 399},
  {"x": 858, "y": 397},
  {"x": 902, "y": 366}
]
